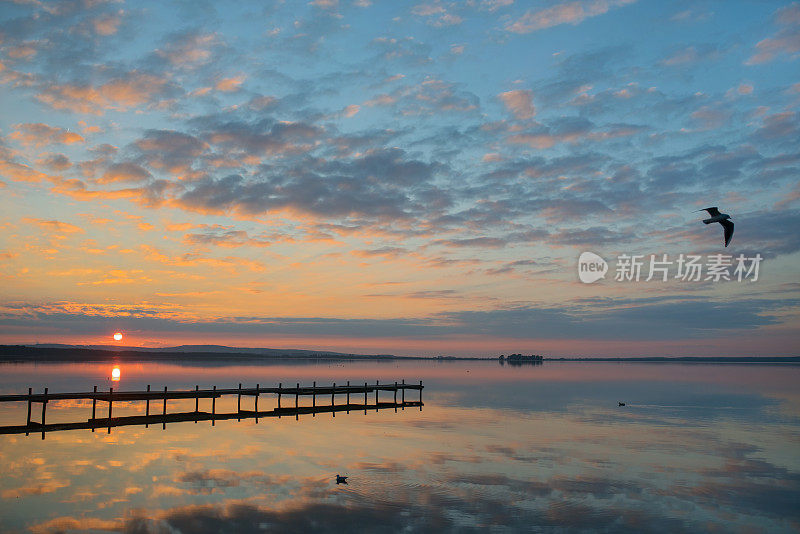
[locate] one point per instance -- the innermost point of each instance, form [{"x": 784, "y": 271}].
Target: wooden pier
[{"x": 110, "y": 396}]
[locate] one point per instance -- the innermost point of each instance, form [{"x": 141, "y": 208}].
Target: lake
[{"x": 534, "y": 448}]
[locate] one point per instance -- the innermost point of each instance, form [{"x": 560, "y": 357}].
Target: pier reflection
[{"x": 197, "y": 415}]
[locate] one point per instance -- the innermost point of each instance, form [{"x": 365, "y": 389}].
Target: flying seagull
[{"x": 723, "y": 219}]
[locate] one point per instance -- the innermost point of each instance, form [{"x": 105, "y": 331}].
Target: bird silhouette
[
  {"x": 341, "y": 480},
  {"x": 723, "y": 219}
]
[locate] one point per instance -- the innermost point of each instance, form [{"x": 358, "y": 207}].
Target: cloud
[
  {"x": 430, "y": 97},
  {"x": 563, "y": 130},
  {"x": 150, "y": 194},
  {"x": 190, "y": 49},
  {"x": 127, "y": 91},
  {"x": 622, "y": 319},
  {"x": 437, "y": 14},
  {"x": 382, "y": 184},
  {"x": 40, "y": 134},
  {"x": 193, "y": 259},
  {"x": 691, "y": 55},
  {"x": 23, "y": 50},
  {"x": 21, "y": 173},
  {"x": 564, "y": 13},
  {"x": 519, "y": 102},
  {"x": 351, "y": 110},
  {"x": 226, "y": 238},
  {"x": 53, "y": 226},
  {"x": 124, "y": 172},
  {"x": 170, "y": 150},
  {"x": 779, "y": 126},
  {"x": 66, "y": 523},
  {"x": 326, "y": 4},
  {"x": 263, "y": 137},
  {"x": 229, "y": 85},
  {"x": 785, "y": 42},
  {"x": 107, "y": 24},
  {"x": 710, "y": 117},
  {"x": 55, "y": 162}
]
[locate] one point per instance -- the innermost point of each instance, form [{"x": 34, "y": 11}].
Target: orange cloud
[
  {"x": 193, "y": 259},
  {"x": 21, "y": 173},
  {"x": 64, "y": 524},
  {"x": 55, "y": 226},
  {"x": 229, "y": 85},
  {"x": 132, "y": 90},
  {"x": 39, "y": 134},
  {"x": 22, "y": 51}
]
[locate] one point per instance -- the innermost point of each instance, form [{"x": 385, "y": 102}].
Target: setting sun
[
  {"x": 118, "y": 336},
  {"x": 115, "y": 374}
]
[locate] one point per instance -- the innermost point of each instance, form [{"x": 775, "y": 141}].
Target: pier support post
[
  {"x": 258, "y": 391},
  {"x": 94, "y": 406},
  {"x": 377, "y": 383},
  {"x": 365, "y": 398},
  {"x": 280, "y": 388},
  {"x": 239, "y": 403},
  {"x": 110, "y": 395},
  {"x": 297, "y": 402},
  {"x": 395, "y": 397},
  {"x": 314, "y": 399},
  {"x": 196, "y": 400},
  {"x": 348, "y": 396},
  {"x": 333, "y": 397},
  {"x": 147, "y": 406},
  {"x": 30, "y": 393},
  {"x": 44, "y": 406},
  {"x": 213, "y": 405},
  {"x": 420, "y": 395},
  {"x": 164, "y": 411}
]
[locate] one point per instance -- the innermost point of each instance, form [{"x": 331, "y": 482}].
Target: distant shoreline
[
  {"x": 687, "y": 359},
  {"x": 27, "y": 353}
]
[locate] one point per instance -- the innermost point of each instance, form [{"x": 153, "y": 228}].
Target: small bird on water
[
  {"x": 622, "y": 404},
  {"x": 723, "y": 219},
  {"x": 341, "y": 480}
]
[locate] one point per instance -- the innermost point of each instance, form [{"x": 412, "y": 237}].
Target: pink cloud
[
  {"x": 786, "y": 41},
  {"x": 519, "y": 102},
  {"x": 107, "y": 24},
  {"x": 566, "y": 13},
  {"x": 351, "y": 110}
]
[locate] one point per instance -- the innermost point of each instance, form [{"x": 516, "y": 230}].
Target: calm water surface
[{"x": 501, "y": 449}]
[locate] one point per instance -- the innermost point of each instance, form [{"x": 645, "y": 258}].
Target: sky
[{"x": 400, "y": 177}]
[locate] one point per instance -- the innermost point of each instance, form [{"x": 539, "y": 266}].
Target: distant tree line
[{"x": 519, "y": 359}]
